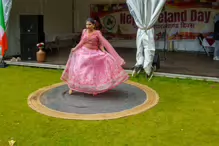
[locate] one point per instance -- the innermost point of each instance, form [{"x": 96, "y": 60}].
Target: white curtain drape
[{"x": 145, "y": 14}]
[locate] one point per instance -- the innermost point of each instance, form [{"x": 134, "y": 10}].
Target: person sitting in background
[{"x": 216, "y": 37}]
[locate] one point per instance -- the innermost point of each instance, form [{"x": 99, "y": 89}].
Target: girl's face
[{"x": 89, "y": 25}]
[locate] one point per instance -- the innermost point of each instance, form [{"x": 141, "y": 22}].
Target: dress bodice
[{"x": 91, "y": 39}]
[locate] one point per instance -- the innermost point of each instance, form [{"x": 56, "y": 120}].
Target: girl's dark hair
[
  {"x": 91, "y": 20},
  {"x": 96, "y": 22}
]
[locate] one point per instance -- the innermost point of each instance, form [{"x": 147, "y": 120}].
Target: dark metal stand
[
  {"x": 165, "y": 41},
  {"x": 2, "y": 63}
]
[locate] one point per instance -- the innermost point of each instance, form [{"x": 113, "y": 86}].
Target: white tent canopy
[{"x": 145, "y": 49}]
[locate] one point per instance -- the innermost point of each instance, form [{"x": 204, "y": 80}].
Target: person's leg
[{"x": 216, "y": 50}]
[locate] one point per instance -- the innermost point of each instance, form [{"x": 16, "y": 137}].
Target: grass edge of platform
[{"x": 159, "y": 74}]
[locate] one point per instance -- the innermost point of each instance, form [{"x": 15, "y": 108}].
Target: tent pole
[{"x": 73, "y": 16}]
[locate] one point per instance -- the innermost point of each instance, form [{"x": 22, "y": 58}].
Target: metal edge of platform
[{"x": 159, "y": 74}]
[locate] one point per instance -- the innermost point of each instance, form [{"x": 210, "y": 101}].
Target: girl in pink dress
[{"x": 90, "y": 69}]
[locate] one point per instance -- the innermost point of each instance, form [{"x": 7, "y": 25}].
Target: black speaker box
[
  {"x": 31, "y": 33},
  {"x": 156, "y": 61}
]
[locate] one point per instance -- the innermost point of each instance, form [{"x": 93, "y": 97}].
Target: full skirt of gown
[{"x": 92, "y": 71}]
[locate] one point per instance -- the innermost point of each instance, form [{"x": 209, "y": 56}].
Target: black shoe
[
  {"x": 137, "y": 70},
  {"x": 149, "y": 77}
]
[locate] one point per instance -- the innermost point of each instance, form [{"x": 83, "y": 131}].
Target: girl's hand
[{"x": 73, "y": 49}]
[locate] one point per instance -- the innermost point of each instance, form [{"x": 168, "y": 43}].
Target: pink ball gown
[{"x": 93, "y": 71}]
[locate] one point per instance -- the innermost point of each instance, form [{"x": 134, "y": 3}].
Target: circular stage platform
[{"x": 127, "y": 99}]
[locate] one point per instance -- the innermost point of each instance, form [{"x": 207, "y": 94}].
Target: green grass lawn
[{"x": 187, "y": 115}]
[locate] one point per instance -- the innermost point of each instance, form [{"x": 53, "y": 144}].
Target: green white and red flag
[{"x": 3, "y": 35}]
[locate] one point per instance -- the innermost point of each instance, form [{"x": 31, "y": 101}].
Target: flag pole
[{"x": 2, "y": 62}]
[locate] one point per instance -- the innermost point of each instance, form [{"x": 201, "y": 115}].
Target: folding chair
[{"x": 200, "y": 39}]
